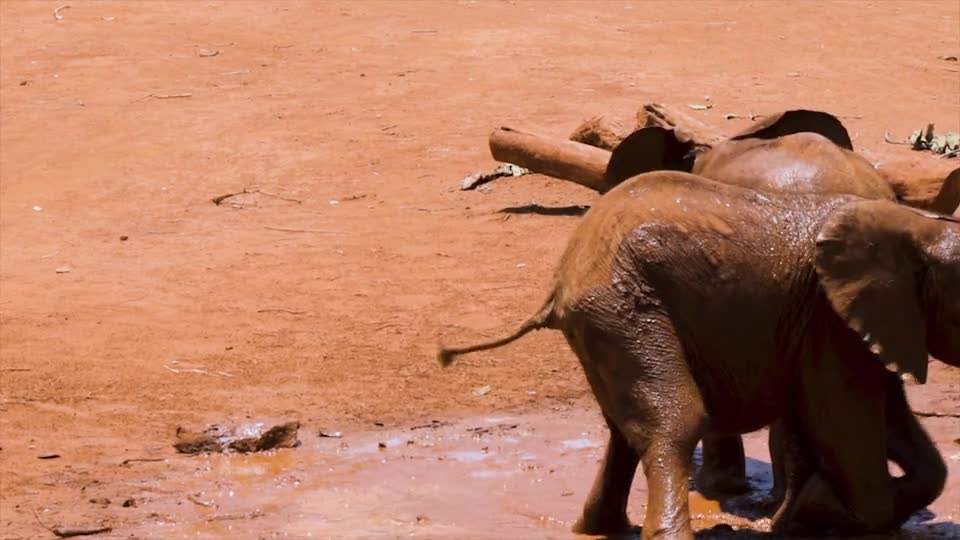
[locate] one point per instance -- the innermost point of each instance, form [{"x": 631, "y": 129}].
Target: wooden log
[{"x": 552, "y": 156}]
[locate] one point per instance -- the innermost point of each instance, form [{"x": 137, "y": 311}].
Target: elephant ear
[
  {"x": 649, "y": 149},
  {"x": 799, "y": 121},
  {"x": 870, "y": 268}
]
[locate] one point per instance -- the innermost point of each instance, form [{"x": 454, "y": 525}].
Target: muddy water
[{"x": 487, "y": 477}]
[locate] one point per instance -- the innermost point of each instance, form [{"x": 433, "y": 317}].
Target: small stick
[
  {"x": 225, "y": 196},
  {"x": 56, "y": 12},
  {"x": 281, "y": 197},
  {"x": 220, "y": 198},
  {"x": 197, "y": 500},
  {"x": 423, "y": 31},
  {"x": 138, "y": 460},
  {"x": 69, "y": 533},
  {"x": 315, "y": 231},
  {"x": 282, "y": 310},
  {"x": 887, "y": 138}
]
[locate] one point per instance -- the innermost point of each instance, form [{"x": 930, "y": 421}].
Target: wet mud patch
[{"x": 523, "y": 476}]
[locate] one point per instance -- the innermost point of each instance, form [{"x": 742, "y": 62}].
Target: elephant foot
[
  {"x": 602, "y": 524},
  {"x": 721, "y": 482},
  {"x": 816, "y": 510},
  {"x": 773, "y": 500}
]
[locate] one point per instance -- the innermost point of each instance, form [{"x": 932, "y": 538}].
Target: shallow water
[{"x": 517, "y": 477}]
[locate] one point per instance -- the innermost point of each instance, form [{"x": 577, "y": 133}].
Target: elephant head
[
  {"x": 893, "y": 274},
  {"x": 828, "y": 161}
]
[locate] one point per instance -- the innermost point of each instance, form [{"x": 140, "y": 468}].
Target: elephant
[
  {"x": 793, "y": 151},
  {"x": 696, "y": 306}
]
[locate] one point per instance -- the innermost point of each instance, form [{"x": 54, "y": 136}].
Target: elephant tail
[{"x": 544, "y": 318}]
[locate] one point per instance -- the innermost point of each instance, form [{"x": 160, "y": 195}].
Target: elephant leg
[
  {"x": 642, "y": 382},
  {"x": 794, "y": 469},
  {"x": 843, "y": 427},
  {"x": 909, "y": 446},
  {"x": 723, "y": 470},
  {"x": 606, "y": 508}
]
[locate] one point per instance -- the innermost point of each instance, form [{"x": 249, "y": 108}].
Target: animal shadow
[{"x": 572, "y": 210}]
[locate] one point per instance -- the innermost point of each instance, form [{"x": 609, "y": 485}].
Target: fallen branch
[
  {"x": 69, "y": 533},
  {"x": 314, "y": 231},
  {"x": 560, "y": 158}
]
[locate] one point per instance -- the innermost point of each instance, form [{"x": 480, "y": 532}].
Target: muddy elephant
[
  {"x": 696, "y": 306},
  {"x": 797, "y": 151},
  {"x": 793, "y": 151}
]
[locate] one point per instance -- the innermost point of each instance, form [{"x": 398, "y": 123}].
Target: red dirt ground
[{"x": 323, "y": 296}]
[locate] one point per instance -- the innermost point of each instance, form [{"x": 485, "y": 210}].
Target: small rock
[
  {"x": 381, "y": 445},
  {"x": 124, "y": 238},
  {"x": 566, "y": 494},
  {"x": 48, "y": 456},
  {"x": 129, "y": 503},
  {"x": 330, "y": 434},
  {"x": 101, "y": 501},
  {"x": 206, "y": 53},
  {"x": 63, "y": 270},
  {"x": 38, "y": 209},
  {"x": 421, "y": 519}
]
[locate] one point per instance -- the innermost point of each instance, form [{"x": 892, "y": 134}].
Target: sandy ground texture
[{"x": 131, "y": 304}]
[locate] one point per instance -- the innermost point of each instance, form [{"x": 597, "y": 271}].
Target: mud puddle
[{"x": 487, "y": 477}]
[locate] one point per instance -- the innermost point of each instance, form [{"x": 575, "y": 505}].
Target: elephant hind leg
[
  {"x": 640, "y": 378},
  {"x": 605, "y": 511},
  {"x": 723, "y": 471}
]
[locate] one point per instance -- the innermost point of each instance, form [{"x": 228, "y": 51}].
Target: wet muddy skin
[{"x": 521, "y": 476}]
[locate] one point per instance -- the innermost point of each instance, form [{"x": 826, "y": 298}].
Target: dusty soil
[{"x": 131, "y": 304}]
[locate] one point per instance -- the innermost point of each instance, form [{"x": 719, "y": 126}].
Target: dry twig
[
  {"x": 219, "y": 199},
  {"x": 197, "y": 500},
  {"x": 56, "y": 12},
  {"x": 140, "y": 460},
  {"x": 888, "y": 139},
  {"x": 282, "y": 310}
]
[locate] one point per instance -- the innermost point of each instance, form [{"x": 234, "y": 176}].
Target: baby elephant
[{"x": 695, "y": 306}]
